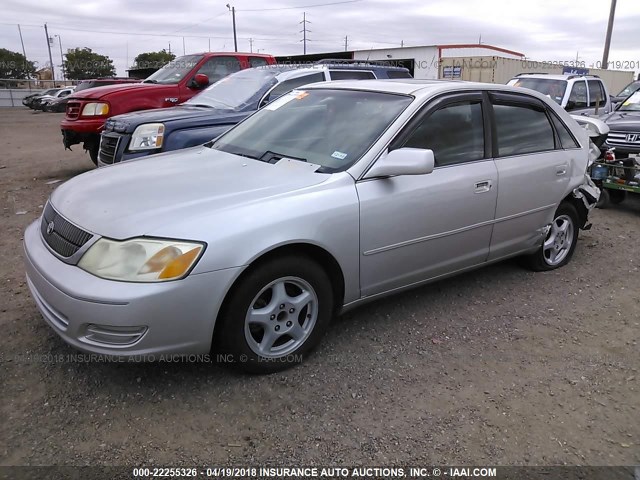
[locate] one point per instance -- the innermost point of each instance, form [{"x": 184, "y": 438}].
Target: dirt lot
[{"x": 499, "y": 366}]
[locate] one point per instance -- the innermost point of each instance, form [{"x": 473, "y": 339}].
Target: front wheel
[
  {"x": 560, "y": 242},
  {"x": 276, "y": 314},
  {"x": 93, "y": 147}
]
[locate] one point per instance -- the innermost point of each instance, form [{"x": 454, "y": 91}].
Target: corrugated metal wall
[{"x": 501, "y": 70}]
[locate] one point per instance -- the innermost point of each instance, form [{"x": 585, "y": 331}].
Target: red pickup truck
[{"x": 174, "y": 83}]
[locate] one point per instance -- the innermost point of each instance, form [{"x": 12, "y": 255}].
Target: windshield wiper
[
  {"x": 273, "y": 157},
  {"x": 222, "y": 103},
  {"x": 198, "y": 105},
  {"x": 150, "y": 81}
]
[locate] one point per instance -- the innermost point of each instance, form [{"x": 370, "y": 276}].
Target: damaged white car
[{"x": 326, "y": 198}]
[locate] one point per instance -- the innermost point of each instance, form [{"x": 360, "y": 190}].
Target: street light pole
[
  {"x": 233, "y": 15},
  {"x": 607, "y": 42}
]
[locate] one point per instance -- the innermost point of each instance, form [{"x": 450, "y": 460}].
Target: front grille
[
  {"x": 108, "y": 147},
  {"x": 73, "y": 110},
  {"x": 624, "y": 139},
  {"x": 61, "y": 235}
]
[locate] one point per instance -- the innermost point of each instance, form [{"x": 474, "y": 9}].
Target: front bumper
[
  {"x": 122, "y": 319},
  {"x": 81, "y": 130}
]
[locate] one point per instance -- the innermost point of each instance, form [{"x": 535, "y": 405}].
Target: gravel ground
[{"x": 498, "y": 366}]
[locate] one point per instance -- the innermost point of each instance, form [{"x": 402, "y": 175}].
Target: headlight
[
  {"x": 95, "y": 109},
  {"x": 141, "y": 259},
  {"x": 147, "y": 137}
]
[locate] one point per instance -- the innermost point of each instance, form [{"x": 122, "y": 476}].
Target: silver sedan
[{"x": 326, "y": 198}]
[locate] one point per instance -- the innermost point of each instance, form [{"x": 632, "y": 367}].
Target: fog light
[{"x": 112, "y": 335}]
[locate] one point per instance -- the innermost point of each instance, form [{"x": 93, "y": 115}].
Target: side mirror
[
  {"x": 403, "y": 161},
  {"x": 199, "y": 81}
]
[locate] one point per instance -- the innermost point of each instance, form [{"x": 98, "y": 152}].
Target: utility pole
[
  {"x": 251, "y": 45},
  {"x": 401, "y": 43},
  {"x": 184, "y": 49},
  {"x": 46, "y": 33},
  {"x": 24, "y": 52},
  {"x": 233, "y": 16},
  {"x": 304, "y": 32},
  {"x": 607, "y": 42},
  {"x": 169, "y": 47},
  {"x": 209, "y": 44},
  {"x": 346, "y": 43},
  {"x": 64, "y": 77}
]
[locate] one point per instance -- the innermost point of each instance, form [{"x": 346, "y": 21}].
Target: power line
[
  {"x": 113, "y": 32},
  {"x": 299, "y": 7}
]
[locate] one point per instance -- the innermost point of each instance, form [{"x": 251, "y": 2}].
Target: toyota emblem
[{"x": 50, "y": 228}]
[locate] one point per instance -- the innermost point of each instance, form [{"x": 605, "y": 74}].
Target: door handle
[
  {"x": 483, "y": 186},
  {"x": 561, "y": 170}
]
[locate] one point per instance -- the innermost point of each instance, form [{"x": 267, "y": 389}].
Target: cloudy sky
[{"x": 551, "y": 30}]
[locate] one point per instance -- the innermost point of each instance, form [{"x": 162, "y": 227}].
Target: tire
[
  {"x": 605, "y": 199},
  {"x": 617, "y": 196},
  {"x": 560, "y": 243},
  {"x": 287, "y": 327},
  {"x": 93, "y": 149}
]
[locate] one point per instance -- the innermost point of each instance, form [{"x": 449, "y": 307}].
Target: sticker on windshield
[
  {"x": 339, "y": 155},
  {"x": 283, "y": 100}
]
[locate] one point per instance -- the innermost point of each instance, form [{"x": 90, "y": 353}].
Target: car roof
[
  {"x": 554, "y": 76},
  {"x": 418, "y": 87},
  {"x": 286, "y": 71}
]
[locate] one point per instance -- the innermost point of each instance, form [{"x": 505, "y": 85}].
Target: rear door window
[
  {"x": 398, "y": 74},
  {"x": 350, "y": 75},
  {"x": 288, "y": 85},
  {"x": 596, "y": 93},
  {"x": 578, "y": 96},
  {"x": 522, "y": 128},
  {"x": 217, "y": 68}
]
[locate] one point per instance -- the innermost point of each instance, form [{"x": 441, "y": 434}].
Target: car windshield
[
  {"x": 238, "y": 91},
  {"x": 629, "y": 89},
  {"x": 175, "y": 70},
  {"x": 51, "y": 91},
  {"x": 329, "y": 128},
  {"x": 631, "y": 104},
  {"x": 554, "y": 89}
]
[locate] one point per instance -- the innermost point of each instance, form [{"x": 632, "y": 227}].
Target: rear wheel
[
  {"x": 605, "y": 199},
  {"x": 617, "y": 196},
  {"x": 276, "y": 314},
  {"x": 560, "y": 242}
]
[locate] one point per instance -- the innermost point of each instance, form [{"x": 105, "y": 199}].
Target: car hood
[
  {"x": 100, "y": 92},
  {"x": 144, "y": 196},
  {"x": 623, "y": 121},
  {"x": 129, "y": 121}
]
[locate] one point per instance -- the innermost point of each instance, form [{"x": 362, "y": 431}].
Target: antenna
[{"x": 369, "y": 54}]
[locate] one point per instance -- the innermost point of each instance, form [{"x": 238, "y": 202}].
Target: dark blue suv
[{"x": 221, "y": 106}]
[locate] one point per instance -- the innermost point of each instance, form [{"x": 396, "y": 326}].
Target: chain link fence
[{"x": 12, "y": 90}]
